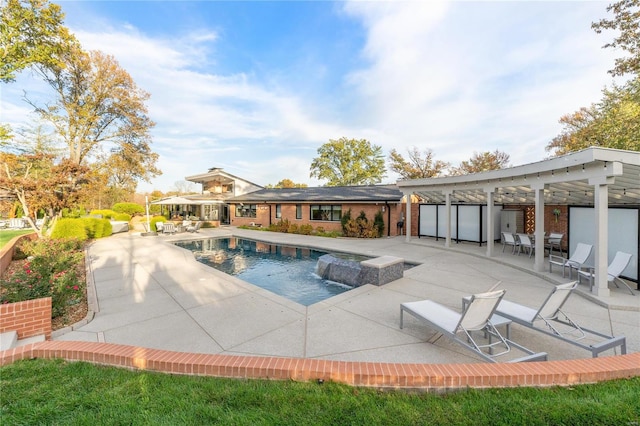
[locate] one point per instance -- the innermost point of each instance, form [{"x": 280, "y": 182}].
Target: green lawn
[
  {"x": 7, "y": 235},
  {"x": 58, "y": 392}
]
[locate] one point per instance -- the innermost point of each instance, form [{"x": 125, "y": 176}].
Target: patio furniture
[
  {"x": 526, "y": 243},
  {"x": 617, "y": 265},
  {"x": 509, "y": 240},
  {"x": 554, "y": 241},
  {"x": 551, "y": 318},
  {"x": 194, "y": 228},
  {"x": 476, "y": 317},
  {"x": 168, "y": 228},
  {"x": 17, "y": 223},
  {"x": 160, "y": 226},
  {"x": 577, "y": 259}
]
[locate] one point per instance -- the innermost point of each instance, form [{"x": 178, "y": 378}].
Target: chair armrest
[{"x": 559, "y": 260}]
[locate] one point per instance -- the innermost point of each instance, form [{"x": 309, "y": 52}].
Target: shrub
[
  {"x": 69, "y": 228},
  {"x": 378, "y": 223},
  {"x": 130, "y": 208},
  {"x": 124, "y": 217},
  {"x": 51, "y": 272},
  {"x": 76, "y": 213},
  {"x": 344, "y": 220},
  {"x": 282, "y": 226},
  {"x": 155, "y": 220},
  {"x": 104, "y": 213},
  {"x": 306, "y": 229},
  {"x": 293, "y": 229},
  {"x": 208, "y": 225},
  {"x": 97, "y": 228}
]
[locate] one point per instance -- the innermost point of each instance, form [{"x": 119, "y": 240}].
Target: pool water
[{"x": 285, "y": 270}]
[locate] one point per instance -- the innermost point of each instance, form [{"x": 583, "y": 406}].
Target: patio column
[
  {"x": 601, "y": 257},
  {"x": 490, "y": 223},
  {"x": 407, "y": 220},
  {"x": 447, "y": 196},
  {"x": 538, "y": 263}
]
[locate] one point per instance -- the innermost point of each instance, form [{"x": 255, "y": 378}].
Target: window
[
  {"x": 246, "y": 210},
  {"x": 298, "y": 211},
  {"x": 326, "y": 212},
  {"x": 278, "y": 211}
]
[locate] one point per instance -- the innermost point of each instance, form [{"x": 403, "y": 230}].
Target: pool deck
[{"x": 152, "y": 294}]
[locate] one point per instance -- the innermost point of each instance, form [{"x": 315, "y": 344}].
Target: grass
[
  {"x": 6, "y": 236},
  {"x": 76, "y": 393}
]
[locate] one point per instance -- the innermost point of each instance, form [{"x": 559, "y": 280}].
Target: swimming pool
[{"x": 285, "y": 270}]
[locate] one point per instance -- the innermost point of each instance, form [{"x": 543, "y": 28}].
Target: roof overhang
[{"x": 566, "y": 180}]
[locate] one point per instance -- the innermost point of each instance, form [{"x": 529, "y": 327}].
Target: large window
[
  {"x": 298, "y": 211},
  {"x": 278, "y": 211},
  {"x": 246, "y": 210},
  {"x": 326, "y": 212}
]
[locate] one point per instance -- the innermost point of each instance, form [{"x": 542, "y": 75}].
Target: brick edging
[{"x": 427, "y": 377}]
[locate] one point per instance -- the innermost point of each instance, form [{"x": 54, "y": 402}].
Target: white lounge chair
[
  {"x": 509, "y": 240},
  {"x": 460, "y": 327},
  {"x": 617, "y": 265},
  {"x": 194, "y": 228},
  {"x": 551, "y": 317},
  {"x": 526, "y": 243},
  {"x": 577, "y": 259}
]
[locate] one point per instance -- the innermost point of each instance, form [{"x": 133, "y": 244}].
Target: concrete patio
[{"x": 150, "y": 293}]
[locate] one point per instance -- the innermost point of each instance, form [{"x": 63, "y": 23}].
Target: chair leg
[{"x": 624, "y": 283}]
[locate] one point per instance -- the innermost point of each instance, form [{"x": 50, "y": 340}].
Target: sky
[{"x": 256, "y": 87}]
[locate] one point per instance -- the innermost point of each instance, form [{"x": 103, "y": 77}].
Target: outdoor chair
[
  {"x": 159, "y": 226},
  {"x": 476, "y": 317},
  {"x": 554, "y": 241},
  {"x": 551, "y": 318},
  {"x": 168, "y": 228},
  {"x": 194, "y": 228},
  {"x": 577, "y": 259},
  {"x": 617, "y": 265},
  {"x": 525, "y": 243},
  {"x": 509, "y": 240}
]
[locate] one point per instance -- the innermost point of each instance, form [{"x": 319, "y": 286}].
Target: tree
[
  {"x": 287, "y": 183},
  {"x": 31, "y": 33},
  {"x": 627, "y": 21},
  {"x": 184, "y": 187},
  {"x": 349, "y": 162},
  {"x": 482, "y": 162},
  {"x": 614, "y": 122},
  {"x": 420, "y": 164}
]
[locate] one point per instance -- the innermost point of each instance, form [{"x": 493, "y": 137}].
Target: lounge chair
[
  {"x": 554, "y": 241},
  {"x": 551, "y": 318},
  {"x": 526, "y": 243},
  {"x": 577, "y": 259},
  {"x": 509, "y": 240},
  {"x": 617, "y": 265},
  {"x": 194, "y": 228},
  {"x": 461, "y": 327}
]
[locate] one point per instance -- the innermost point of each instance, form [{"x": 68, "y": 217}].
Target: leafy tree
[
  {"x": 614, "y": 122},
  {"x": 31, "y": 33},
  {"x": 287, "y": 183},
  {"x": 349, "y": 162},
  {"x": 482, "y": 162},
  {"x": 419, "y": 165},
  {"x": 627, "y": 21}
]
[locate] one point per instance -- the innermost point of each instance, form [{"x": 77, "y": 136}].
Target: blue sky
[{"x": 257, "y": 87}]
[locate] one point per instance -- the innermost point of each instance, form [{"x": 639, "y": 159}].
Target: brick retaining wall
[
  {"x": 28, "y": 318},
  {"x": 426, "y": 377}
]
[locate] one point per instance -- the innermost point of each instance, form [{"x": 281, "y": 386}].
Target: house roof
[
  {"x": 341, "y": 194},
  {"x": 567, "y": 180},
  {"x": 217, "y": 174}
]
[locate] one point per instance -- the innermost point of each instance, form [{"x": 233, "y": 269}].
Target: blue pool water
[{"x": 284, "y": 270}]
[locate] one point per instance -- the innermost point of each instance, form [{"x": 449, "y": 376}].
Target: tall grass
[{"x": 58, "y": 392}]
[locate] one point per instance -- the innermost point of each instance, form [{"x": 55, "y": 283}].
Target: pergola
[{"x": 597, "y": 177}]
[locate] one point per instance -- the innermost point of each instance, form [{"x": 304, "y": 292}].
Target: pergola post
[
  {"x": 601, "y": 257},
  {"x": 447, "y": 195},
  {"x": 489, "y": 191},
  {"x": 538, "y": 263},
  {"x": 408, "y": 216}
]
